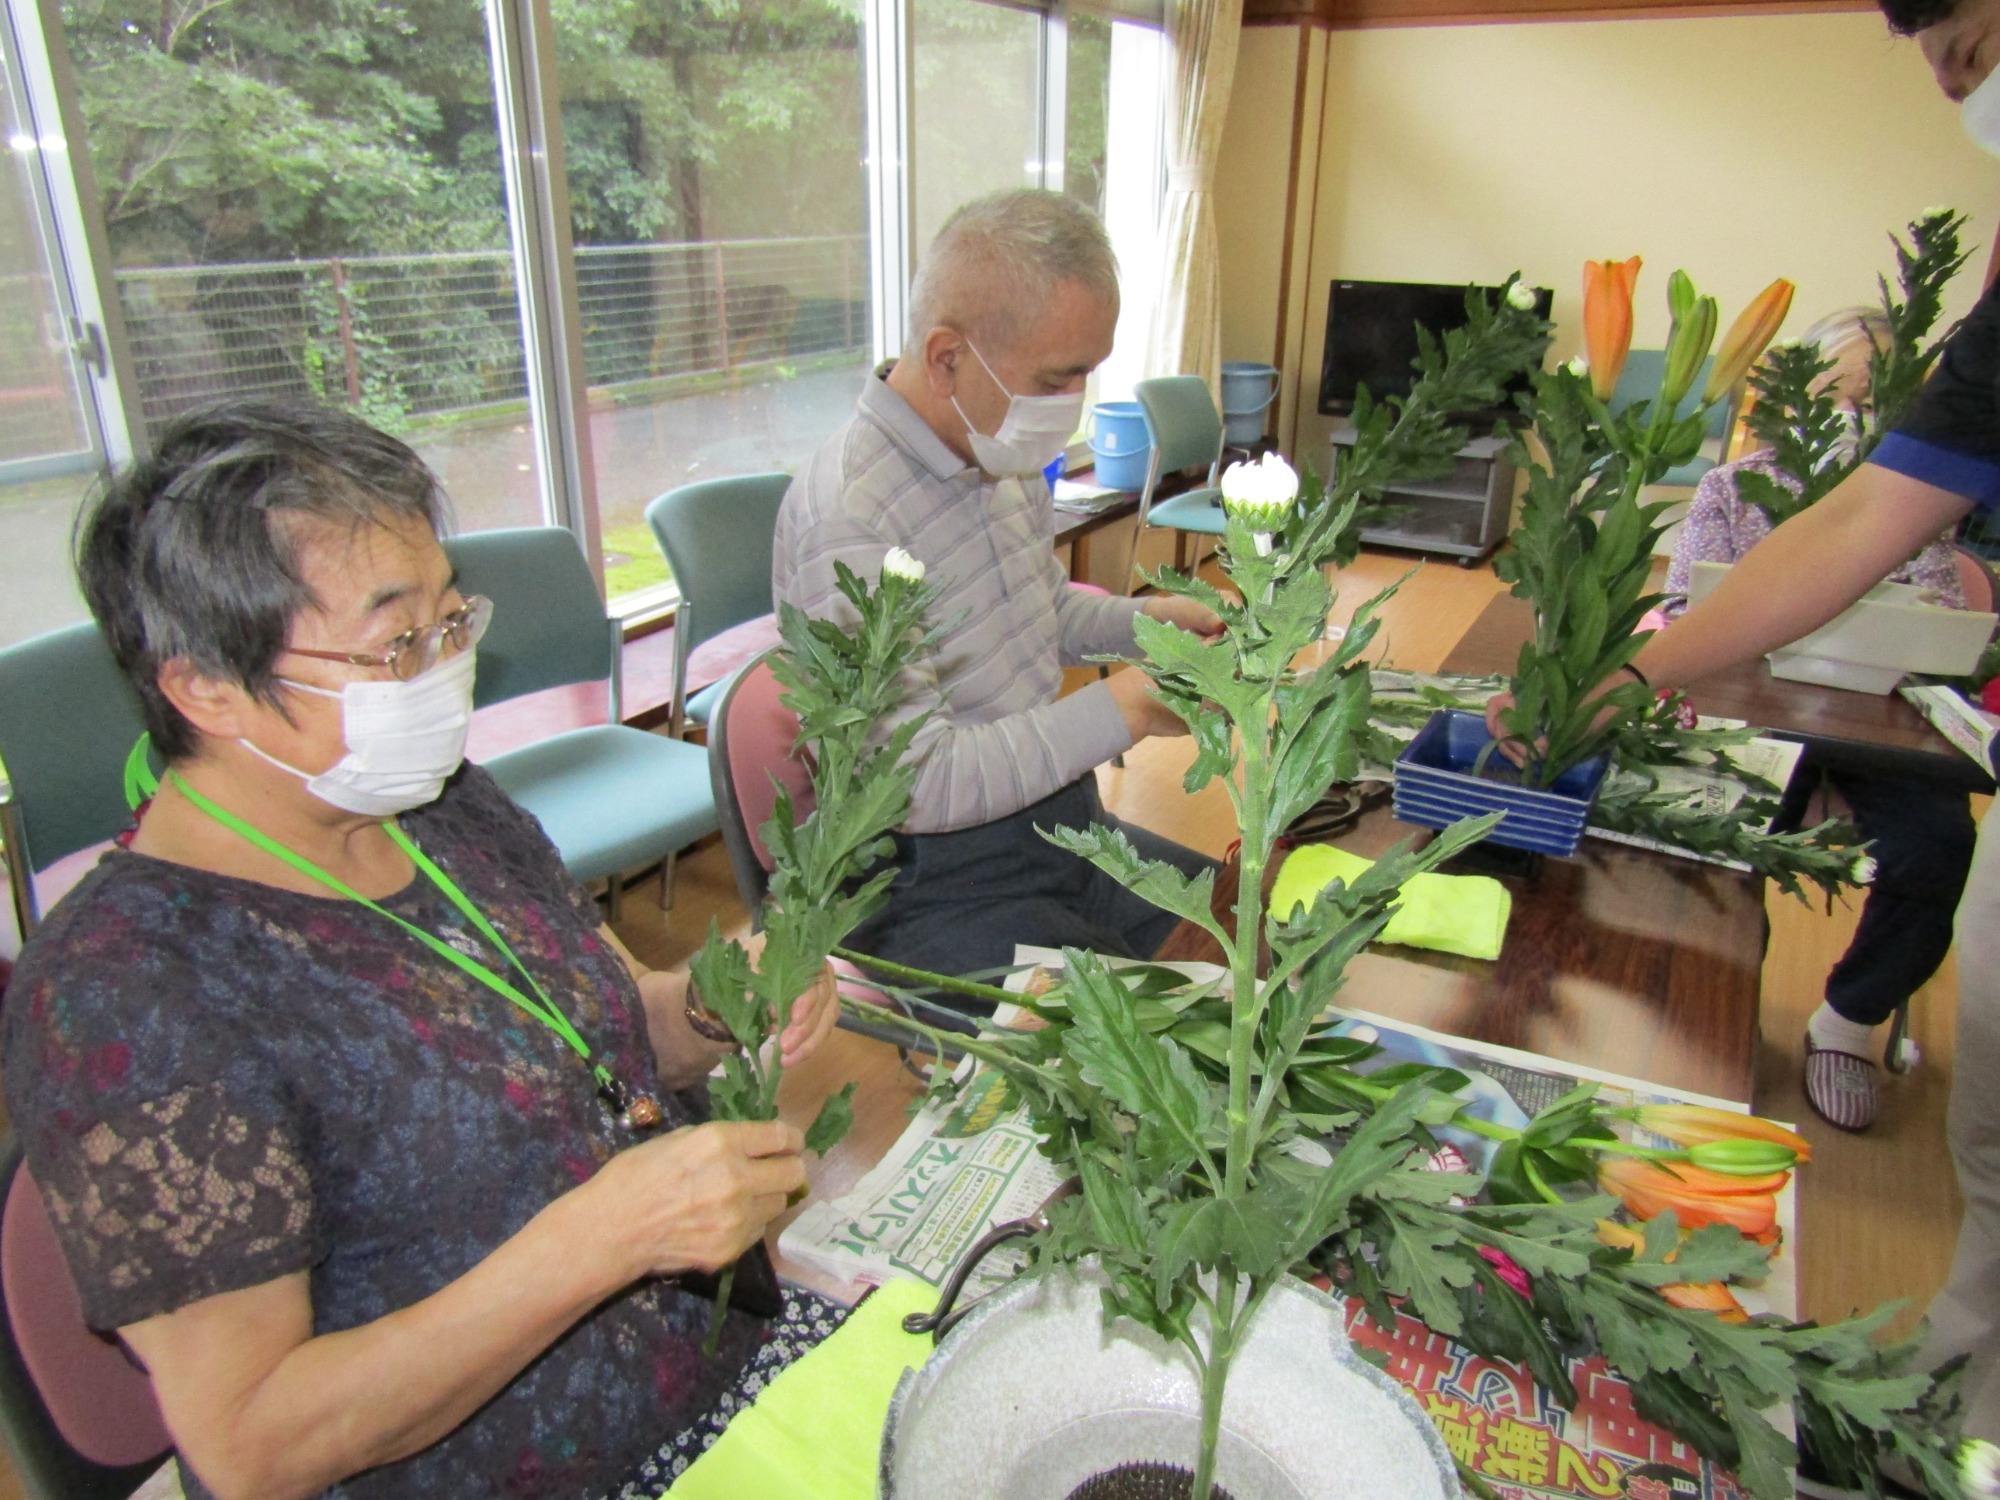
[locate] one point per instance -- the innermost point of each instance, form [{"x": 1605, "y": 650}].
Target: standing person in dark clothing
[{"x": 1942, "y": 462}]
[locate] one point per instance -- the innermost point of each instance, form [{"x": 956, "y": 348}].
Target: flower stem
[
  {"x": 925, "y": 977},
  {"x": 1214, "y": 1377},
  {"x": 719, "y": 1313},
  {"x": 958, "y": 1039}
]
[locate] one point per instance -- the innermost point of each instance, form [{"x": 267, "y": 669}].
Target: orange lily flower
[
  {"x": 1607, "y": 319},
  {"x": 1649, "y": 1191},
  {"x": 1754, "y": 328},
  {"x": 1697, "y": 1124},
  {"x": 1706, "y": 1296},
  {"x": 1700, "y": 1296},
  {"x": 1620, "y": 1236}
]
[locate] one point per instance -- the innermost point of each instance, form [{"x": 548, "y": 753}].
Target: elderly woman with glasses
[{"x": 353, "y": 1119}]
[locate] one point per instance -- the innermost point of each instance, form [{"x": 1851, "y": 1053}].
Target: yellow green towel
[
  {"x": 1464, "y": 914},
  {"x": 815, "y": 1433}
]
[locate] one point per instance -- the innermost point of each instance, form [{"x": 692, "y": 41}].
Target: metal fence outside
[{"x": 398, "y": 337}]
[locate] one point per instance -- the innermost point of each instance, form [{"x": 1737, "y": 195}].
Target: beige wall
[{"x": 1740, "y": 148}]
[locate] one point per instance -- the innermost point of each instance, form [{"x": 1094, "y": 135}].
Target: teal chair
[
  {"x": 716, "y": 535},
  {"x": 1640, "y": 381},
  {"x": 1187, "y": 434},
  {"x": 610, "y": 798},
  {"x": 68, "y": 719}
]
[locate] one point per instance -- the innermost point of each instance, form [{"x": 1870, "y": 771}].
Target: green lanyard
[{"x": 635, "y": 1112}]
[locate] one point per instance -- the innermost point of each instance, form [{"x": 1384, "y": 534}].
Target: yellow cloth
[
  {"x": 1464, "y": 914},
  {"x": 815, "y": 1433}
]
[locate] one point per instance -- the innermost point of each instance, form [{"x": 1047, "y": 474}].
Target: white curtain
[{"x": 1186, "y": 332}]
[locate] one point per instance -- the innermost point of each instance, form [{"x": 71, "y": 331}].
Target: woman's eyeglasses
[{"x": 415, "y": 652}]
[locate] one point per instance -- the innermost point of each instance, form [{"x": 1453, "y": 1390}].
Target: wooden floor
[{"x": 1878, "y": 1212}]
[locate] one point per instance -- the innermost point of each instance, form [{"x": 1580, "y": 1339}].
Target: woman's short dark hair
[
  {"x": 186, "y": 554},
  {"x": 1908, "y": 17}
]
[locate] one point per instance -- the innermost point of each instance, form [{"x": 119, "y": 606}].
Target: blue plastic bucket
[
  {"x": 1123, "y": 444},
  {"x": 1247, "y": 389}
]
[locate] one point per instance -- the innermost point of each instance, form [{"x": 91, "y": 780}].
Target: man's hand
[
  {"x": 1145, "y": 715},
  {"x": 1188, "y": 614}
]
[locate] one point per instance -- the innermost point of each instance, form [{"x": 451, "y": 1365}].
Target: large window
[
  {"x": 716, "y": 200},
  {"x": 304, "y": 199},
  {"x": 979, "y": 123},
  {"x": 49, "y": 446},
  {"x": 317, "y": 199}
]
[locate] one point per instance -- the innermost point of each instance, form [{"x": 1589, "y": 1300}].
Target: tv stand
[{"x": 1463, "y": 514}]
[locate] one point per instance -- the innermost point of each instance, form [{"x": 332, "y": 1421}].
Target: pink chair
[
  {"x": 1975, "y": 581},
  {"x": 752, "y": 740},
  {"x": 79, "y": 1417}
]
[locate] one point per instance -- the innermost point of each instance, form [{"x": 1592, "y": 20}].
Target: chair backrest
[
  {"x": 68, "y": 719},
  {"x": 717, "y": 538},
  {"x": 1640, "y": 379},
  {"x": 751, "y": 752},
  {"x": 80, "y": 1418},
  {"x": 1181, "y": 415},
  {"x": 549, "y": 627}
]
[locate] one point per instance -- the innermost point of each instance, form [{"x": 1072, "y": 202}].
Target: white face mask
[
  {"x": 1979, "y": 113},
  {"x": 404, "y": 739},
  {"x": 1034, "y": 431}
]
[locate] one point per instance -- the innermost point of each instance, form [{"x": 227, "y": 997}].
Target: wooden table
[
  {"x": 1865, "y": 732},
  {"x": 1617, "y": 959}
]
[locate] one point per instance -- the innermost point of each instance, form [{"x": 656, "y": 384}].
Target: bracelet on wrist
[
  {"x": 1641, "y": 676},
  {"x": 704, "y": 1022}
]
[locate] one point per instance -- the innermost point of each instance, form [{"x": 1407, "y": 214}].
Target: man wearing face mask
[
  {"x": 1941, "y": 463},
  {"x": 1013, "y": 307}
]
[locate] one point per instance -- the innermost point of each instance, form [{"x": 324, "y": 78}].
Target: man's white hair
[{"x": 994, "y": 266}]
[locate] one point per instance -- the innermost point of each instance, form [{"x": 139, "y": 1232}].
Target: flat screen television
[{"x": 1371, "y": 339}]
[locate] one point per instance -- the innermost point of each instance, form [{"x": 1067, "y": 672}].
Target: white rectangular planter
[{"x": 1890, "y": 632}]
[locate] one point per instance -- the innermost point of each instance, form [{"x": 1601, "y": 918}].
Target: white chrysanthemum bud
[
  {"x": 1979, "y": 1469},
  {"x": 1579, "y": 367},
  {"x": 1521, "y": 297},
  {"x": 1864, "y": 870},
  {"x": 899, "y": 564},
  {"x": 1260, "y": 495}
]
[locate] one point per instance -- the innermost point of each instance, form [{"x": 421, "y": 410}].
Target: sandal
[{"x": 1840, "y": 1087}]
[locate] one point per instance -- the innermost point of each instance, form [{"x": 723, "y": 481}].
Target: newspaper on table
[
  {"x": 1713, "y": 789},
  {"x": 1967, "y": 725},
  {"x": 1710, "y": 789},
  {"x": 961, "y": 1168},
  {"x": 1080, "y": 499}
]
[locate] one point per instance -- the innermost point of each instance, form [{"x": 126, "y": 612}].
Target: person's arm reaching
[{"x": 1803, "y": 574}]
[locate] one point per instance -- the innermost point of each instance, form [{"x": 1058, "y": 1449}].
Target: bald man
[{"x": 1013, "y": 306}]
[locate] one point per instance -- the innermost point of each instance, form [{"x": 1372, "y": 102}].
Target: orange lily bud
[
  {"x": 1754, "y": 328},
  {"x": 1699, "y": 1179},
  {"x": 1649, "y": 1190},
  {"x": 1706, "y": 1296},
  {"x": 1697, "y": 1124},
  {"x": 1607, "y": 319}
]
